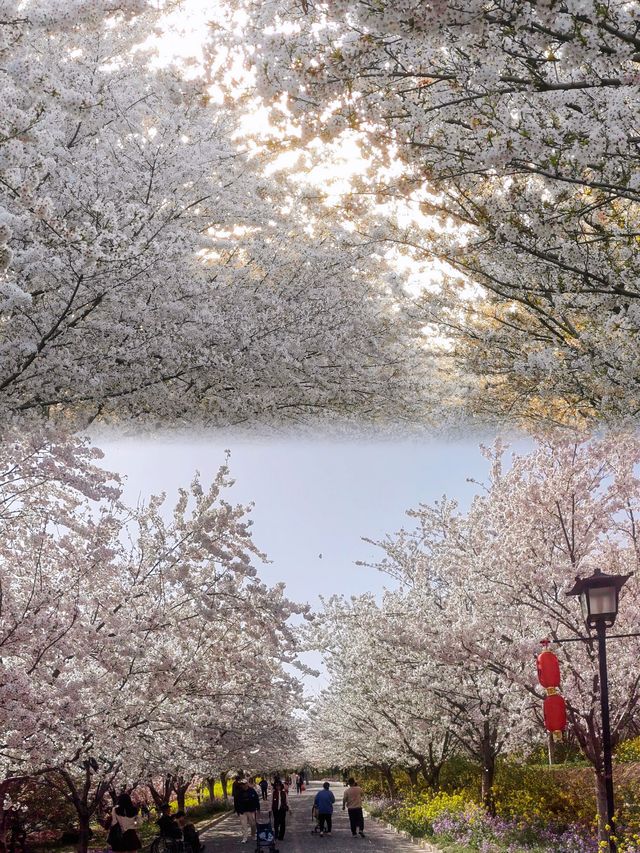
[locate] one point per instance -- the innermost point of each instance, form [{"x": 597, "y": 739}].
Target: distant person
[
  {"x": 298, "y": 782},
  {"x": 167, "y": 824},
  {"x": 323, "y": 802},
  {"x": 125, "y": 815},
  {"x": 264, "y": 787},
  {"x": 190, "y": 834},
  {"x": 279, "y": 807},
  {"x": 247, "y": 804},
  {"x": 352, "y": 800}
]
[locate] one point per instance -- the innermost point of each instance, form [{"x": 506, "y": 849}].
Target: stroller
[
  {"x": 316, "y": 821},
  {"x": 265, "y": 836}
]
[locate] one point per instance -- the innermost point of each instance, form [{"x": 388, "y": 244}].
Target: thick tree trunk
[
  {"x": 84, "y": 830},
  {"x": 488, "y": 770},
  {"x": 223, "y": 782}
]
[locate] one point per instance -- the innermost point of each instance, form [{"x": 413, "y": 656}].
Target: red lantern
[
  {"x": 555, "y": 715},
  {"x": 548, "y": 669}
]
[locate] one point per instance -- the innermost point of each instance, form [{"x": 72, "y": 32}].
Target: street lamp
[{"x": 599, "y": 596}]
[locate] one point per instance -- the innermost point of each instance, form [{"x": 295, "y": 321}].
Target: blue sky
[{"x": 311, "y": 497}]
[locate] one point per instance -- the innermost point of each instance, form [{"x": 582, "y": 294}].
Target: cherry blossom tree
[
  {"x": 510, "y": 130},
  {"x": 477, "y": 590},
  {"x": 411, "y": 691},
  {"x": 151, "y": 631},
  {"x": 151, "y": 270}
]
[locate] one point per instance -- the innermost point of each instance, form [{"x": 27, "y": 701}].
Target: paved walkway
[{"x": 225, "y": 836}]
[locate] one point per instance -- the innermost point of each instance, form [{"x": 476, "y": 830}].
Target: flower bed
[{"x": 455, "y": 823}]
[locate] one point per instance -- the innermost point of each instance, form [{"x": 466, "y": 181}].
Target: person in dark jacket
[
  {"x": 190, "y": 834},
  {"x": 264, "y": 785},
  {"x": 246, "y": 805},
  {"x": 279, "y": 807},
  {"x": 323, "y": 802},
  {"x": 235, "y": 790},
  {"x": 167, "y": 823}
]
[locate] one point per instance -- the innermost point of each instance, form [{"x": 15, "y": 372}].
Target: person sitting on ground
[
  {"x": 324, "y": 801},
  {"x": 167, "y": 824},
  {"x": 190, "y": 834}
]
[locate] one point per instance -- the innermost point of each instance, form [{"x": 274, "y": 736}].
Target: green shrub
[
  {"x": 561, "y": 795},
  {"x": 461, "y": 774}
]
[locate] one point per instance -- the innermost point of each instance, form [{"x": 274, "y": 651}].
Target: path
[{"x": 225, "y": 836}]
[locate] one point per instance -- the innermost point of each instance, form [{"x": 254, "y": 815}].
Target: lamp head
[{"x": 599, "y": 594}]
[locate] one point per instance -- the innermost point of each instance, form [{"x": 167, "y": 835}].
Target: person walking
[
  {"x": 352, "y": 801},
  {"x": 125, "y": 815},
  {"x": 323, "y": 802},
  {"x": 246, "y": 806},
  {"x": 279, "y": 807},
  {"x": 264, "y": 785},
  {"x": 235, "y": 789}
]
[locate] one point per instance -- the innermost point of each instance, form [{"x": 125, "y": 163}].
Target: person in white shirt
[{"x": 126, "y": 815}]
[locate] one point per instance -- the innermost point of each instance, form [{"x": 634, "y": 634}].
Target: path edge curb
[
  {"x": 420, "y": 842},
  {"x": 207, "y": 823}
]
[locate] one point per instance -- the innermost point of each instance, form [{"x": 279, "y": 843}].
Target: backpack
[{"x": 114, "y": 838}]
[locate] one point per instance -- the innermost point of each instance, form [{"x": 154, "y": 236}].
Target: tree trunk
[
  {"x": 181, "y": 786},
  {"x": 180, "y": 795},
  {"x": 412, "y": 773},
  {"x": 223, "y": 782},
  {"x": 84, "y": 830},
  {"x": 3, "y": 829},
  {"x": 601, "y": 803},
  {"x": 210, "y": 787},
  {"x": 432, "y": 776},
  {"x": 164, "y": 794},
  {"x": 388, "y": 777},
  {"x": 488, "y": 770}
]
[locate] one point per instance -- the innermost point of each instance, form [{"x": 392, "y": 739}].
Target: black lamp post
[{"x": 599, "y": 596}]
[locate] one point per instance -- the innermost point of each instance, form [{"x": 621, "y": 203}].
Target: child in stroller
[{"x": 265, "y": 836}]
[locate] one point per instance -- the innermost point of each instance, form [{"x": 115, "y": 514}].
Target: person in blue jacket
[{"x": 324, "y": 804}]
